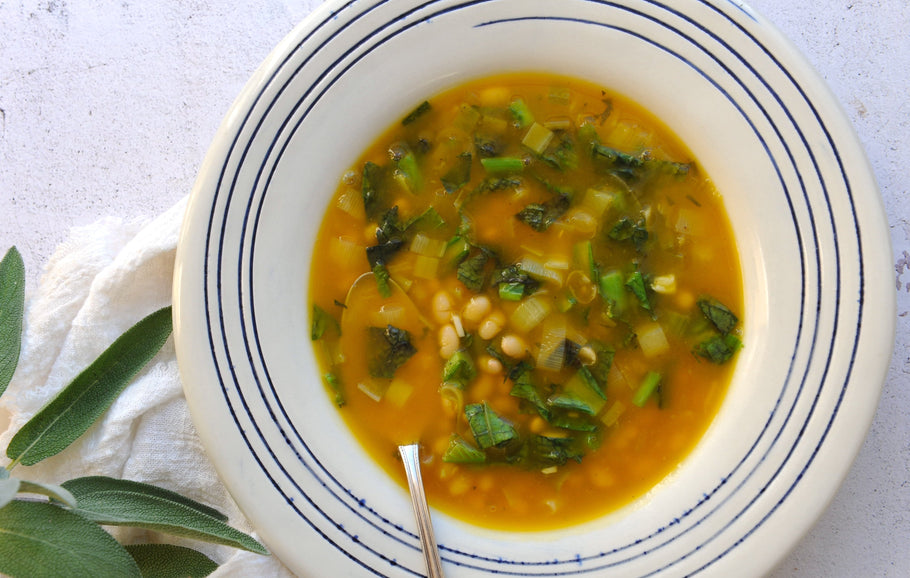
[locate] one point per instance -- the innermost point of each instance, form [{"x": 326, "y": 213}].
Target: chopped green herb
[
  {"x": 539, "y": 216},
  {"x": 322, "y": 321},
  {"x": 638, "y": 287},
  {"x": 389, "y": 349},
  {"x": 521, "y": 113},
  {"x": 489, "y": 429},
  {"x": 459, "y": 369},
  {"x": 561, "y": 153},
  {"x": 410, "y": 173},
  {"x": 381, "y": 274},
  {"x": 459, "y": 174},
  {"x": 647, "y": 387},
  {"x": 461, "y": 451},
  {"x": 428, "y": 220},
  {"x": 371, "y": 189},
  {"x": 389, "y": 226},
  {"x": 334, "y": 384},
  {"x": 423, "y": 108},
  {"x": 627, "y": 230},
  {"x": 552, "y": 451},
  {"x": 511, "y": 291},
  {"x": 719, "y": 349},
  {"x": 718, "y": 314},
  {"x": 486, "y": 146},
  {"x": 523, "y": 388},
  {"x": 471, "y": 271},
  {"x": 573, "y": 421}
]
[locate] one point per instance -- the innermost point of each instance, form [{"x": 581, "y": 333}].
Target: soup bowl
[{"x": 804, "y": 207}]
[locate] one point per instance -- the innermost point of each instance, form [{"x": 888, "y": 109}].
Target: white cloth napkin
[{"x": 104, "y": 278}]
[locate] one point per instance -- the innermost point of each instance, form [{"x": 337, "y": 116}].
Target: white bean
[
  {"x": 448, "y": 341},
  {"x": 477, "y": 308},
  {"x": 492, "y": 325},
  {"x": 489, "y": 364},
  {"x": 442, "y": 306},
  {"x": 513, "y": 346}
]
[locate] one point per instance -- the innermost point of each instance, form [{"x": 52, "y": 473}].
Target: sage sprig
[
  {"x": 113, "y": 502},
  {"x": 165, "y": 560},
  {"x": 56, "y": 530},
  {"x": 12, "y": 309},
  {"x": 86, "y": 398}
]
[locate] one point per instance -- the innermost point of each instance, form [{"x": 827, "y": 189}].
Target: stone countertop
[{"x": 107, "y": 109}]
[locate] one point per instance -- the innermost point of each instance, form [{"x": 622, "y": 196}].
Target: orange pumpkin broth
[{"x": 578, "y": 428}]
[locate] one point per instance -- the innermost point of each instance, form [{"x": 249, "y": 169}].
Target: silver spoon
[{"x": 411, "y": 459}]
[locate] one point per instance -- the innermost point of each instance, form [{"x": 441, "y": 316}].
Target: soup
[{"x": 532, "y": 278}]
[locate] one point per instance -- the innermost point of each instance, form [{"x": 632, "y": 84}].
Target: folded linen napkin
[{"x": 103, "y": 279}]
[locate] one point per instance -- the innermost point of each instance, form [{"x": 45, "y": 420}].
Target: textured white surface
[{"x": 107, "y": 108}]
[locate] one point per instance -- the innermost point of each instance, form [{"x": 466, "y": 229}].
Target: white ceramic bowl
[{"x": 808, "y": 220}]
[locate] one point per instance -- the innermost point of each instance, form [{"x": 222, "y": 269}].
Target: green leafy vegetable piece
[
  {"x": 428, "y": 220},
  {"x": 486, "y": 146},
  {"x": 518, "y": 283},
  {"x": 523, "y": 387},
  {"x": 381, "y": 274},
  {"x": 167, "y": 561},
  {"x": 458, "y": 174},
  {"x": 371, "y": 188},
  {"x": 718, "y": 314},
  {"x": 638, "y": 287},
  {"x": 511, "y": 291},
  {"x": 626, "y": 230},
  {"x": 719, "y": 348},
  {"x": 389, "y": 349},
  {"x": 647, "y": 387},
  {"x": 623, "y": 165},
  {"x": 489, "y": 429},
  {"x": 521, "y": 113},
  {"x": 389, "y": 229},
  {"x": 539, "y": 216},
  {"x": 334, "y": 383},
  {"x": 572, "y": 421},
  {"x": 503, "y": 164},
  {"x": 552, "y": 451},
  {"x": 422, "y": 108},
  {"x": 91, "y": 393},
  {"x": 560, "y": 154},
  {"x": 323, "y": 321},
  {"x": 471, "y": 271},
  {"x": 461, "y": 451},
  {"x": 113, "y": 502},
  {"x": 41, "y": 539},
  {"x": 459, "y": 369},
  {"x": 571, "y": 401},
  {"x": 12, "y": 309},
  {"x": 612, "y": 289},
  {"x": 409, "y": 170},
  {"x": 600, "y": 369}
]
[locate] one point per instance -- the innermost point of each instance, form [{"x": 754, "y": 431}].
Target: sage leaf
[
  {"x": 12, "y": 309},
  {"x": 100, "y": 484},
  {"x": 114, "y": 502},
  {"x": 91, "y": 393},
  {"x": 166, "y": 560},
  {"x": 9, "y": 487},
  {"x": 52, "y": 491},
  {"x": 38, "y": 540}
]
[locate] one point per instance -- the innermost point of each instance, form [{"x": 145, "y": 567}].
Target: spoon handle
[{"x": 409, "y": 455}]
